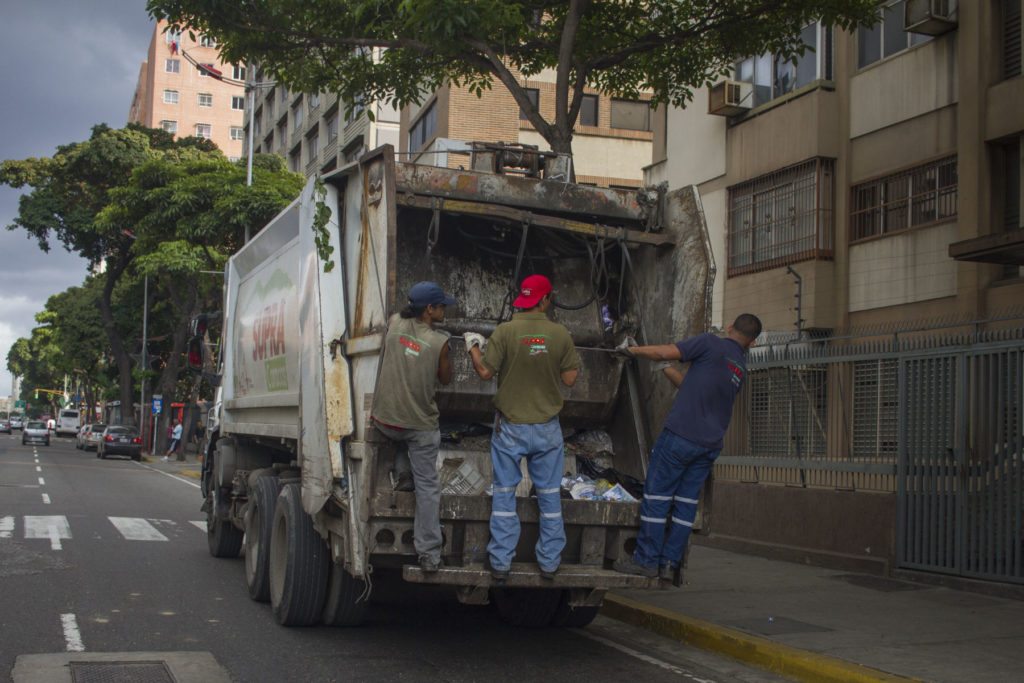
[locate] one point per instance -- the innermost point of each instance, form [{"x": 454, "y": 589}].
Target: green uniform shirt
[
  {"x": 528, "y": 354},
  {"x": 407, "y": 384}
]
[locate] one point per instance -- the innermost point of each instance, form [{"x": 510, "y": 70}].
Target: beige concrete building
[
  {"x": 174, "y": 94},
  {"x": 611, "y": 144}
]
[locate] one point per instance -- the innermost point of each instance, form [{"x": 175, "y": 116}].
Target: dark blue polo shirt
[{"x": 703, "y": 406}]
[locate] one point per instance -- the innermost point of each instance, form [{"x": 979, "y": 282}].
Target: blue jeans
[
  {"x": 675, "y": 476},
  {"x": 541, "y": 445}
]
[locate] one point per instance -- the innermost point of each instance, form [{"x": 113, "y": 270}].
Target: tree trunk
[
  {"x": 126, "y": 384},
  {"x": 185, "y": 306}
]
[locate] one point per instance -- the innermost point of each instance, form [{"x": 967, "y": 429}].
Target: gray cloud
[{"x": 66, "y": 67}]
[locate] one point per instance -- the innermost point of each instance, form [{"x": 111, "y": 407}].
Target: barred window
[
  {"x": 875, "y": 409},
  {"x": 919, "y": 196},
  {"x": 782, "y": 217}
]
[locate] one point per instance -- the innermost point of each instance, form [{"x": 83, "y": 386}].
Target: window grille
[
  {"x": 1011, "y": 38},
  {"x": 919, "y": 196},
  {"x": 875, "y": 409},
  {"x": 788, "y": 411},
  {"x": 781, "y": 218}
]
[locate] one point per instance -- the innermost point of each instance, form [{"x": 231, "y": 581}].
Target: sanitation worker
[
  {"x": 405, "y": 407},
  {"x": 690, "y": 440},
  {"x": 532, "y": 358}
]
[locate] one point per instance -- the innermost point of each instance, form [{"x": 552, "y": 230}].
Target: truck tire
[
  {"x": 344, "y": 606},
  {"x": 223, "y": 538},
  {"x": 259, "y": 524},
  {"x": 529, "y": 607},
  {"x": 573, "y": 617},
  {"x": 299, "y": 563}
]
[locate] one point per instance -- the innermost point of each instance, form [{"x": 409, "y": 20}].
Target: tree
[{"x": 401, "y": 50}]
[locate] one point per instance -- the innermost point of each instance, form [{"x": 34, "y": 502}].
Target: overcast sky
[{"x": 65, "y": 66}]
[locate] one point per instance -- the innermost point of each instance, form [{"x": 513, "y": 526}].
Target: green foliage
[
  {"x": 401, "y": 50},
  {"x": 321, "y": 218}
]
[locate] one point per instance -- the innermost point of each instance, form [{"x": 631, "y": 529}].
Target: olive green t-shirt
[
  {"x": 407, "y": 383},
  {"x": 528, "y": 354}
]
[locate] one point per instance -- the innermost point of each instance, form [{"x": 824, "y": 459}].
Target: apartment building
[
  {"x": 315, "y": 132},
  {"x": 611, "y": 143},
  {"x": 871, "y": 190},
  {"x": 173, "y": 93}
]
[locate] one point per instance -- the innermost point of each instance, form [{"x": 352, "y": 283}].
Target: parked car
[
  {"x": 117, "y": 440},
  {"x": 80, "y": 436},
  {"x": 35, "y": 432},
  {"x": 5, "y": 426},
  {"x": 91, "y": 437}
]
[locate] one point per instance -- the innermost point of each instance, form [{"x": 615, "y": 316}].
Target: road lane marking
[
  {"x": 642, "y": 657},
  {"x": 46, "y": 499},
  {"x": 38, "y": 468},
  {"x": 168, "y": 474},
  {"x": 42, "y": 482},
  {"x": 199, "y": 525},
  {"x": 136, "y": 529},
  {"x": 54, "y": 535},
  {"x": 7, "y": 527},
  {"x": 72, "y": 636},
  {"x": 40, "y": 527}
]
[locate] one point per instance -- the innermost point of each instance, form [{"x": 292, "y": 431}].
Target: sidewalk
[
  {"x": 812, "y": 624},
  {"x": 190, "y": 467}
]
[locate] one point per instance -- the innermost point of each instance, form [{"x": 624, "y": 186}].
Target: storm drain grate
[{"x": 120, "y": 672}]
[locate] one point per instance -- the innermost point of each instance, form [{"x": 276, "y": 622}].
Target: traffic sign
[
  {"x": 158, "y": 405},
  {"x": 20, "y": 405}
]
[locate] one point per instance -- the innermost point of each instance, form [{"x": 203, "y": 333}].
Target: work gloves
[
  {"x": 473, "y": 339},
  {"x": 623, "y": 349}
]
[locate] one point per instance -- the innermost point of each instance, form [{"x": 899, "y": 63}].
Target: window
[
  {"x": 207, "y": 41},
  {"x": 205, "y": 99},
  {"x": 781, "y": 217},
  {"x": 237, "y": 132},
  {"x": 238, "y": 72},
  {"x": 295, "y": 159},
  {"x": 170, "y": 96},
  {"x": 772, "y": 76},
  {"x": 919, "y": 196},
  {"x": 172, "y": 37},
  {"x": 237, "y": 102},
  {"x": 206, "y": 70},
  {"x": 282, "y": 132},
  {"x": 314, "y": 101},
  {"x": 332, "y": 127},
  {"x": 297, "y": 115},
  {"x": 887, "y": 37},
  {"x": 204, "y": 130},
  {"x": 312, "y": 147},
  {"x": 356, "y": 110},
  {"x": 532, "y": 94},
  {"x": 170, "y": 126},
  {"x": 1011, "y": 38},
  {"x": 424, "y": 128},
  {"x": 284, "y": 93},
  {"x": 172, "y": 66},
  {"x": 588, "y": 111},
  {"x": 631, "y": 115}
]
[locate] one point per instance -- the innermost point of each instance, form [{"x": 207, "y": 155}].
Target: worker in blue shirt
[{"x": 690, "y": 440}]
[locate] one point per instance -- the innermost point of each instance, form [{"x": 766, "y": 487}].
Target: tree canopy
[{"x": 401, "y": 50}]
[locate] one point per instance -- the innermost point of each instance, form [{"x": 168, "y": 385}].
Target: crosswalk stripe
[
  {"x": 40, "y": 527},
  {"x": 136, "y": 529},
  {"x": 7, "y": 527},
  {"x": 200, "y": 525}
]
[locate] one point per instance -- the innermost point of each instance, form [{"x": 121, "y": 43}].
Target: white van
[{"x": 68, "y": 423}]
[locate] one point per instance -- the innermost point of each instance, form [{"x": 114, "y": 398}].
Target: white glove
[
  {"x": 474, "y": 339},
  {"x": 623, "y": 349},
  {"x": 661, "y": 365}
]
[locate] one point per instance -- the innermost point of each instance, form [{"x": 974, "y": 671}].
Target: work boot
[
  {"x": 626, "y": 565},
  {"x": 667, "y": 575},
  {"x": 548, "y": 574},
  {"x": 405, "y": 482},
  {"x": 500, "y": 576},
  {"x": 428, "y": 565}
]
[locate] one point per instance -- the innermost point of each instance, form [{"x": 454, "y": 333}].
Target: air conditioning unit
[
  {"x": 929, "y": 17},
  {"x": 730, "y": 98}
]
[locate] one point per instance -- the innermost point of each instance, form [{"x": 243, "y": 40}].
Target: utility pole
[{"x": 142, "y": 383}]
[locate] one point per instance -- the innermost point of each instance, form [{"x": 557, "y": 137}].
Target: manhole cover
[{"x": 120, "y": 672}]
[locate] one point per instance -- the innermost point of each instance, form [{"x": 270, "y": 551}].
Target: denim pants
[
  {"x": 541, "y": 445},
  {"x": 675, "y": 476},
  {"x": 422, "y": 457}
]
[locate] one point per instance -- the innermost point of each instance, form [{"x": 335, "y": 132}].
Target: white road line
[
  {"x": 42, "y": 482},
  {"x": 40, "y": 527},
  {"x": 7, "y": 527},
  {"x": 642, "y": 657},
  {"x": 136, "y": 529},
  {"x": 38, "y": 468},
  {"x": 168, "y": 474},
  {"x": 199, "y": 525},
  {"x": 54, "y": 535},
  {"x": 72, "y": 636},
  {"x": 46, "y": 499}
]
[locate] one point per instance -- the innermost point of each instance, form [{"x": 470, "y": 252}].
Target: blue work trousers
[
  {"x": 675, "y": 476},
  {"x": 541, "y": 445}
]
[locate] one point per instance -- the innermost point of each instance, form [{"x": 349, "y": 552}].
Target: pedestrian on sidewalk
[
  {"x": 532, "y": 357},
  {"x": 405, "y": 408},
  {"x": 690, "y": 440},
  {"x": 175, "y": 440}
]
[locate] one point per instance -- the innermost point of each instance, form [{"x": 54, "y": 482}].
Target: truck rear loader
[{"x": 295, "y": 469}]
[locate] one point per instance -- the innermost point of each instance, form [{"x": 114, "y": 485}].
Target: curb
[{"x": 781, "y": 659}]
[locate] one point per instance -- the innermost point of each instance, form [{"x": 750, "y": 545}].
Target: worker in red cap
[{"x": 532, "y": 358}]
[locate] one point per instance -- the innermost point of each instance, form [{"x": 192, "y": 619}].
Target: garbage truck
[{"x": 295, "y": 472}]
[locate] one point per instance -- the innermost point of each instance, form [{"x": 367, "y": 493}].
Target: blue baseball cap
[{"x": 424, "y": 294}]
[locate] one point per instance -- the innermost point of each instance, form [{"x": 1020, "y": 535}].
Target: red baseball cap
[{"x": 533, "y": 289}]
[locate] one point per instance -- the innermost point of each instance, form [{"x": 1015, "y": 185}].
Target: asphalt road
[{"x": 109, "y": 556}]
